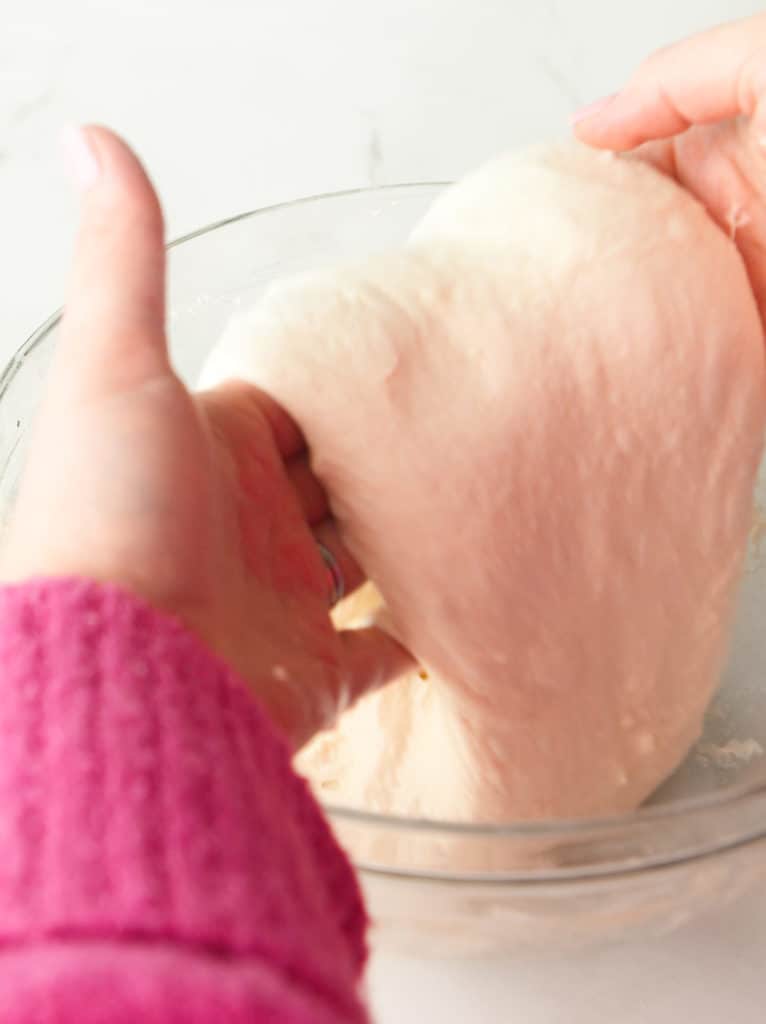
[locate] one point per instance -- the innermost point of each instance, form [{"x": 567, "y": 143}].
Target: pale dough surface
[{"x": 539, "y": 424}]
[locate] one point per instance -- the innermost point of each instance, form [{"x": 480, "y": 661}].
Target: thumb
[
  {"x": 713, "y": 76},
  {"x": 113, "y": 335}
]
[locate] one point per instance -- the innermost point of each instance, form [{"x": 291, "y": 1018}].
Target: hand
[
  {"x": 203, "y": 505},
  {"x": 697, "y": 111}
]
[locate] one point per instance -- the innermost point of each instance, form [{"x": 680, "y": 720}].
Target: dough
[{"x": 539, "y": 424}]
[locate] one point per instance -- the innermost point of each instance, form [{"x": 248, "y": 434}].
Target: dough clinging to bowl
[{"x": 539, "y": 424}]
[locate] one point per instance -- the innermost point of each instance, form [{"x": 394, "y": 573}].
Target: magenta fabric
[{"x": 160, "y": 861}]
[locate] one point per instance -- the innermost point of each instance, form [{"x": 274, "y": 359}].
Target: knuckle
[
  {"x": 328, "y": 695},
  {"x": 652, "y": 69}
]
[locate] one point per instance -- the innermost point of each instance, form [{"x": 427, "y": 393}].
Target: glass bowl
[{"x": 441, "y": 887}]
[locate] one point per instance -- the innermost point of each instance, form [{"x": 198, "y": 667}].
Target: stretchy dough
[{"x": 539, "y": 424}]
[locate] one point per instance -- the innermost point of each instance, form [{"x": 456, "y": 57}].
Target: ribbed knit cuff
[{"x": 144, "y": 797}]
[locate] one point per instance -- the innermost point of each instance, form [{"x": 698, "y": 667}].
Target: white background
[{"x": 234, "y": 105}]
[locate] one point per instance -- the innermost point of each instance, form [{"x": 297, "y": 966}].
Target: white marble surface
[
  {"x": 712, "y": 973},
  {"x": 238, "y": 104}
]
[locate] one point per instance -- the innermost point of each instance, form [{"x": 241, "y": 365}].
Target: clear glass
[{"x": 447, "y": 888}]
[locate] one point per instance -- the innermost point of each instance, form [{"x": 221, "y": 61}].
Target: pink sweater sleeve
[{"x": 159, "y": 860}]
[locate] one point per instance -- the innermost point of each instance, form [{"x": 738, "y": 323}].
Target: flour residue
[{"x": 728, "y": 755}]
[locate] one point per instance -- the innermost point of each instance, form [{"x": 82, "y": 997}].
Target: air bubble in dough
[{"x": 539, "y": 423}]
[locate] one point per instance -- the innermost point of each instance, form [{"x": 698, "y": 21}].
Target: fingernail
[
  {"x": 80, "y": 157},
  {"x": 592, "y": 109}
]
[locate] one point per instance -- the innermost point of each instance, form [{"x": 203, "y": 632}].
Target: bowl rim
[{"x": 597, "y": 828}]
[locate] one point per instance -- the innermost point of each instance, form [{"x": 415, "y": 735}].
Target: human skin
[
  {"x": 697, "y": 111},
  {"x": 202, "y": 504},
  {"x": 538, "y": 425}
]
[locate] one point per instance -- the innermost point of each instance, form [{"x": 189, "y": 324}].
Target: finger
[
  {"x": 308, "y": 490},
  {"x": 237, "y": 402},
  {"x": 327, "y": 534},
  {"x": 730, "y": 197},
  {"x": 714, "y": 76},
  {"x": 371, "y": 659},
  {"x": 113, "y": 335},
  {"x": 286, "y": 432}
]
